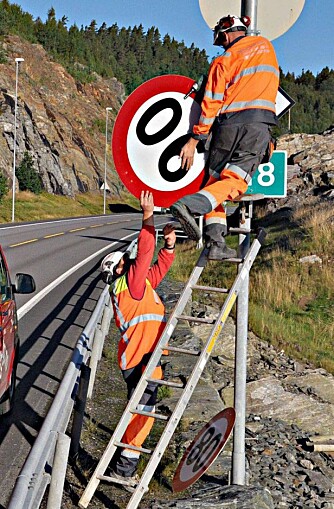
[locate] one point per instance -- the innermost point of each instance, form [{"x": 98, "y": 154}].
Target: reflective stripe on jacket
[
  {"x": 245, "y": 77},
  {"x": 141, "y": 322}
]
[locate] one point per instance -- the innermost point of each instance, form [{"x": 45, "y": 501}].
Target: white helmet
[
  {"x": 229, "y": 24},
  {"x": 108, "y": 265}
]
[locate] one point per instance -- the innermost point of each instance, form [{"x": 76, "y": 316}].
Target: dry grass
[
  {"x": 31, "y": 207},
  {"x": 291, "y": 303}
]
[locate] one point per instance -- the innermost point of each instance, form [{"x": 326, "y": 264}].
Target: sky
[{"x": 308, "y": 44}]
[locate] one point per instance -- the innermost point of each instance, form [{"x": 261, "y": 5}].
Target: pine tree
[
  {"x": 3, "y": 186},
  {"x": 27, "y": 176}
]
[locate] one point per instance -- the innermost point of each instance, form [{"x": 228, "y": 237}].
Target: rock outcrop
[
  {"x": 310, "y": 167},
  {"x": 59, "y": 121}
]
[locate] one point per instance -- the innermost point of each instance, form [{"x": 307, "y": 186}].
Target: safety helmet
[
  {"x": 229, "y": 24},
  {"x": 108, "y": 265}
]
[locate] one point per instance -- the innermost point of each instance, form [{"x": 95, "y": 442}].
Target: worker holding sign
[
  {"x": 238, "y": 110},
  {"x": 140, "y": 316}
]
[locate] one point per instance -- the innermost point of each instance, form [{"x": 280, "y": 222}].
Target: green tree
[
  {"x": 27, "y": 176},
  {"x": 3, "y": 186}
]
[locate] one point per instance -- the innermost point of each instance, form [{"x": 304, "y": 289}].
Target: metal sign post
[
  {"x": 249, "y": 8},
  {"x": 240, "y": 368}
]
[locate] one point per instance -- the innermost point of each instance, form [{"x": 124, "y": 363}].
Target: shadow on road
[
  {"x": 50, "y": 333},
  {"x": 122, "y": 208}
]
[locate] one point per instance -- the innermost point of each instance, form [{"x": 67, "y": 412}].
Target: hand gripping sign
[{"x": 150, "y": 129}]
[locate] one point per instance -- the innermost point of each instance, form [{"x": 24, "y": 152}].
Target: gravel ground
[{"x": 278, "y": 458}]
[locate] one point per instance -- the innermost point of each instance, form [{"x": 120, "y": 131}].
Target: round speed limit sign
[
  {"x": 150, "y": 129},
  {"x": 204, "y": 449}
]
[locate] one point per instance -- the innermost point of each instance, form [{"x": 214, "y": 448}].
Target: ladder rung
[
  {"x": 115, "y": 480},
  {"x": 166, "y": 382},
  {"x": 210, "y": 289},
  {"x": 234, "y": 260},
  {"x": 240, "y": 230},
  {"x": 182, "y": 350},
  {"x": 194, "y": 319},
  {"x": 150, "y": 414},
  {"x": 132, "y": 447}
]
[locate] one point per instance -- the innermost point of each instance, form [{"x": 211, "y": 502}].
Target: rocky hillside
[
  {"x": 310, "y": 166},
  {"x": 60, "y": 122}
]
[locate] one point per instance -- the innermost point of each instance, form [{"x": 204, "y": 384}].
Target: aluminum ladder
[{"x": 186, "y": 389}]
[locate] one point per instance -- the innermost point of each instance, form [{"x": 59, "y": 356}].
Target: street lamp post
[
  {"x": 105, "y": 164},
  {"x": 17, "y": 61}
]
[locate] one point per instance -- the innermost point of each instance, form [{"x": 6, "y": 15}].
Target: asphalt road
[{"x": 50, "y": 329}]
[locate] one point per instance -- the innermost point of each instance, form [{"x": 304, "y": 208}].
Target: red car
[{"x": 9, "y": 338}]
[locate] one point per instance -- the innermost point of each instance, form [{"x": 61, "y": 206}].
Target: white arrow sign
[{"x": 283, "y": 102}]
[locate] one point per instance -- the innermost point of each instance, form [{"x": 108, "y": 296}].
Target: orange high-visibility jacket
[
  {"x": 141, "y": 322},
  {"x": 245, "y": 77},
  {"x": 138, "y": 310}
]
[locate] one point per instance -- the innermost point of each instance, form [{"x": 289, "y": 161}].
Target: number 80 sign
[
  {"x": 204, "y": 449},
  {"x": 150, "y": 129}
]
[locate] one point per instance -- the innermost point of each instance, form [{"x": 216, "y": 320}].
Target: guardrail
[{"x": 37, "y": 470}]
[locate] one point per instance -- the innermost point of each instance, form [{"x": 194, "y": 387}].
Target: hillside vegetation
[
  {"x": 50, "y": 206},
  {"x": 129, "y": 54},
  {"x": 291, "y": 301},
  {"x": 134, "y": 55}
]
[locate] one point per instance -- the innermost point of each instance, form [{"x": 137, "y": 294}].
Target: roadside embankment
[{"x": 288, "y": 402}]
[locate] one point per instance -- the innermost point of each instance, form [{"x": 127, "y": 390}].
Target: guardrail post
[
  {"x": 79, "y": 410},
  {"x": 94, "y": 358},
  {"x": 105, "y": 324},
  {"x": 58, "y": 472}
]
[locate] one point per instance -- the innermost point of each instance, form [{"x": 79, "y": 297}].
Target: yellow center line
[
  {"x": 25, "y": 242},
  {"x": 123, "y": 221},
  {"x": 70, "y": 231},
  {"x": 53, "y": 235}
]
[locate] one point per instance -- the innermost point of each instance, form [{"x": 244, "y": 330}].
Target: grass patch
[
  {"x": 32, "y": 207},
  {"x": 291, "y": 302}
]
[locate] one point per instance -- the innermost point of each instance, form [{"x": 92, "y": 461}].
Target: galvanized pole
[
  {"x": 249, "y": 8},
  {"x": 240, "y": 370},
  {"x": 58, "y": 472},
  {"x": 105, "y": 164}
]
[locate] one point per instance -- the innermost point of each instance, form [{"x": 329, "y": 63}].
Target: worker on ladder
[
  {"x": 140, "y": 316},
  {"x": 238, "y": 110}
]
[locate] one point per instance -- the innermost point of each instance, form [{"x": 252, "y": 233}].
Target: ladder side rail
[
  {"x": 194, "y": 377},
  {"x": 138, "y": 392}
]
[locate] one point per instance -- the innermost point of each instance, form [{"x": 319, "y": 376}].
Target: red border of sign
[
  {"x": 177, "y": 484},
  {"x": 158, "y": 85}
]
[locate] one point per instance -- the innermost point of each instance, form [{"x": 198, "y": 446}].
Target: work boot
[
  {"x": 188, "y": 223},
  {"x": 220, "y": 251},
  {"x": 134, "y": 480}
]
